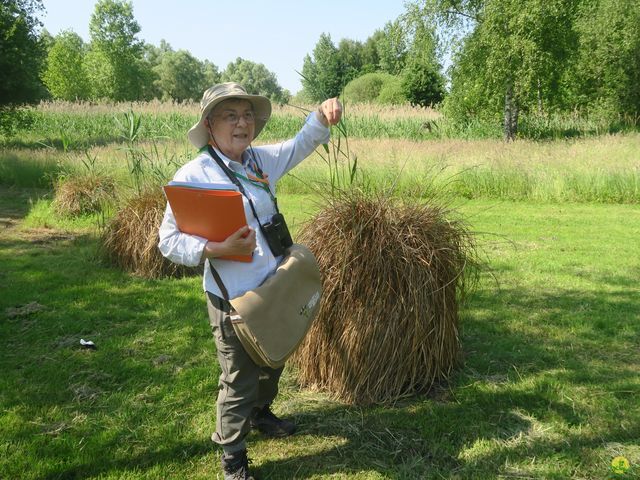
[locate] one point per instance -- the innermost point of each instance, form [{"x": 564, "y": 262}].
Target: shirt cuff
[{"x": 312, "y": 119}]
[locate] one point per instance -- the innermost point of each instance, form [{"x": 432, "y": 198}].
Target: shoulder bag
[{"x": 273, "y": 319}]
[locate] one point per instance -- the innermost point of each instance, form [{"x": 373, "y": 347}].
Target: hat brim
[{"x": 199, "y": 135}]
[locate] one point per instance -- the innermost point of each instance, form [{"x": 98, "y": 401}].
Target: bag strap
[
  {"x": 236, "y": 181},
  {"x": 218, "y": 279}
]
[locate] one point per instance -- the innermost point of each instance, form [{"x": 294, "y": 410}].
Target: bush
[
  {"x": 303, "y": 97},
  {"x": 392, "y": 92},
  {"x": 421, "y": 86},
  {"x": 367, "y": 87},
  {"x": 13, "y": 119}
]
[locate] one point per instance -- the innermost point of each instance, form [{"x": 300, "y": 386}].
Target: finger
[
  {"x": 241, "y": 232},
  {"x": 328, "y": 111},
  {"x": 250, "y": 236},
  {"x": 336, "y": 110},
  {"x": 250, "y": 241},
  {"x": 337, "y": 115}
]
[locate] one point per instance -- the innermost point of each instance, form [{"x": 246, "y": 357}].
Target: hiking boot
[
  {"x": 236, "y": 466},
  {"x": 266, "y": 422}
]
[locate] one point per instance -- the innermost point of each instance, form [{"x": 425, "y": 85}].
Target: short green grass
[{"x": 548, "y": 388}]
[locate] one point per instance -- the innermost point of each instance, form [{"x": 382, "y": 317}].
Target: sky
[{"x": 277, "y": 33}]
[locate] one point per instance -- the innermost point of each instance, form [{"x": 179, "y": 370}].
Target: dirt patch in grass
[
  {"x": 44, "y": 236},
  {"x": 24, "y": 310}
]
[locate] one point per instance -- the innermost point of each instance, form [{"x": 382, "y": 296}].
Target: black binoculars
[{"x": 277, "y": 234}]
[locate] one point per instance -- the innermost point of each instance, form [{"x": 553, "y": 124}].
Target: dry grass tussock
[
  {"x": 83, "y": 194},
  {"x": 130, "y": 239},
  {"x": 393, "y": 277}
]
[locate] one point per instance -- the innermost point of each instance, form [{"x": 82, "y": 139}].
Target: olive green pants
[{"x": 243, "y": 385}]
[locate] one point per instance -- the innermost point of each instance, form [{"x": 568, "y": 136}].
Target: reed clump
[
  {"x": 83, "y": 194},
  {"x": 130, "y": 238},
  {"x": 394, "y": 274}
]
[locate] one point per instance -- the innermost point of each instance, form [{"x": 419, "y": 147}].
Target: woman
[{"x": 230, "y": 119}]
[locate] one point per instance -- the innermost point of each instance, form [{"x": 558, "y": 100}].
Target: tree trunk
[
  {"x": 540, "y": 112},
  {"x": 511, "y": 112}
]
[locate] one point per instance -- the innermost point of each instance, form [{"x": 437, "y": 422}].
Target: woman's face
[{"x": 232, "y": 125}]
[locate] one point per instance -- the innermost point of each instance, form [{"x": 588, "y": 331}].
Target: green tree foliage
[
  {"x": 114, "y": 28},
  {"x": 604, "y": 75},
  {"x": 422, "y": 82},
  {"x": 405, "y": 47},
  {"x": 392, "y": 47},
  {"x": 541, "y": 56},
  {"x": 21, "y": 54},
  {"x": 46, "y": 41},
  {"x": 322, "y": 75},
  {"x": 255, "y": 78},
  {"x": 511, "y": 60},
  {"x": 331, "y": 68},
  {"x": 115, "y": 62},
  {"x": 211, "y": 74},
  {"x": 370, "y": 57},
  {"x": 351, "y": 59},
  {"x": 153, "y": 54},
  {"x": 151, "y": 59},
  {"x": 180, "y": 76},
  {"x": 367, "y": 87},
  {"x": 103, "y": 78},
  {"x": 393, "y": 92},
  {"x": 65, "y": 74}
]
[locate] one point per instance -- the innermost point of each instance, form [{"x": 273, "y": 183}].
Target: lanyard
[
  {"x": 260, "y": 181},
  {"x": 234, "y": 179}
]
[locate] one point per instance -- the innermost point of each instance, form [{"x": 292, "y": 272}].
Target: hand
[
  {"x": 241, "y": 242},
  {"x": 330, "y": 112}
]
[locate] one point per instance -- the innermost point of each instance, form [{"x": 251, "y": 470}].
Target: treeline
[
  {"x": 509, "y": 58},
  {"x": 541, "y": 57},
  {"x": 510, "y": 61},
  {"x": 115, "y": 65},
  {"x": 396, "y": 64}
]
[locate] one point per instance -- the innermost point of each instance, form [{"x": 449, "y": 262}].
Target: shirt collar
[{"x": 232, "y": 164}]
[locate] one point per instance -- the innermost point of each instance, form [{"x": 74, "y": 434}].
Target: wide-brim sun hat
[{"x": 199, "y": 135}]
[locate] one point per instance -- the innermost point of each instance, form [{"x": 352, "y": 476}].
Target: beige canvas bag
[{"x": 273, "y": 319}]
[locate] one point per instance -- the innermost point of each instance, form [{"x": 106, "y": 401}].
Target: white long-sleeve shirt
[{"x": 274, "y": 161}]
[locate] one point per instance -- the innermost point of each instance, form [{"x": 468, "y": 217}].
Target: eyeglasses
[{"x": 233, "y": 118}]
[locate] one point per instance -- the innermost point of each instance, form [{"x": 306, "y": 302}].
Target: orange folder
[{"x": 212, "y": 214}]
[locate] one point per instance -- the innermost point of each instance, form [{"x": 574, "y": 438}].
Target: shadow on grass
[
  {"x": 178, "y": 451},
  {"x": 524, "y": 349},
  {"x": 438, "y": 445},
  {"x": 518, "y": 379},
  {"x": 15, "y": 203}
]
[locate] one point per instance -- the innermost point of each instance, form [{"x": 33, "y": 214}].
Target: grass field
[
  {"x": 551, "y": 335},
  {"x": 549, "y": 387},
  {"x": 393, "y": 147}
]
